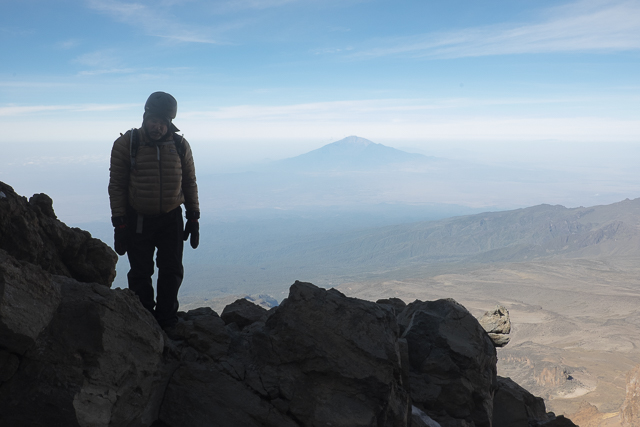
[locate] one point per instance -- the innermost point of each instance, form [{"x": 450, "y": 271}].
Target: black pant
[{"x": 163, "y": 232}]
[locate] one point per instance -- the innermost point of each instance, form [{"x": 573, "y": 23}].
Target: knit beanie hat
[{"x": 163, "y": 106}]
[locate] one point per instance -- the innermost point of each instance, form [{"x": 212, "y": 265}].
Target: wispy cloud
[
  {"x": 331, "y": 50},
  {"x": 67, "y": 44},
  {"x": 155, "y": 20},
  {"x": 110, "y": 61},
  {"x": 188, "y": 37},
  {"x": 14, "y": 110},
  {"x": 102, "y": 62},
  {"x": 107, "y": 71},
  {"x": 34, "y": 84},
  {"x": 450, "y": 128},
  {"x": 368, "y": 110},
  {"x": 99, "y": 59},
  {"x": 311, "y": 111},
  {"x": 65, "y": 160},
  {"x": 15, "y": 32},
  {"x": 458, "y": 119},
  {"x": 236, "y": 5},
  {"x": 590, "y": 25},
  {"x": 461, "y": 119}
]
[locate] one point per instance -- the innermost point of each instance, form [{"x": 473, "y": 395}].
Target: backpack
[{"x": 134, "y": 144}]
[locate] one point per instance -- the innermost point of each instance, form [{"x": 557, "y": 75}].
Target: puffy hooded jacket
[{"x": 160, "y": 182}]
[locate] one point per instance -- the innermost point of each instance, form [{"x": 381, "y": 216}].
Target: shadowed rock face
[
  {"x": 31, "y": 232},
  {"x": 242, "y": 313},
  {"x": 319, "y": 359},
  {"x": 80, "y": 354},
  {"x": 514, "y": 406},
  {"x": 396, "y": 304},
  {"x": 452, "y": 360},
  {"x": 75, "y": 354}
]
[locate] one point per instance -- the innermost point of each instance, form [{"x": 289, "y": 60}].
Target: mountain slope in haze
[
  {"x": 260, "y": 259},
  {"x": 517, "y": 235},
  {"x": 351, "y": 153}
]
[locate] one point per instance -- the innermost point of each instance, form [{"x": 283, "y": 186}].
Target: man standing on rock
[{"x": 151, "y": 175}]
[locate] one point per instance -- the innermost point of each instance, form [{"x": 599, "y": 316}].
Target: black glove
[
  {"x": 192, "y": 227},
  {"x": 120, "y": 234}
]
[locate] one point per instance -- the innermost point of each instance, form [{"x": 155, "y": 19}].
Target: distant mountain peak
[
  {"x": 354, "y": 140},
  {"x": 351, "y": 153}
]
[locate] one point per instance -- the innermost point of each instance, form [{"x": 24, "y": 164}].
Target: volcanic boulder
[
  {"x": 75, "y": 354},
  {"x": 452, "y": 362},
  {"x": 243, "y": 313},
  {"x": 321, "y": 358},
  {"x": 498, "y": 325},
  {"x": 30, "y": 232}
]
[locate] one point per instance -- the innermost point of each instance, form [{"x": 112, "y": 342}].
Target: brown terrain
[{"x": 575, "y": 325}]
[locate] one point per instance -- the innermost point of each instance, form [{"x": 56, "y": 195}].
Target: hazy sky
[
  {"x": 247, "y": 73},
  {"x": 498, "y": 82}
]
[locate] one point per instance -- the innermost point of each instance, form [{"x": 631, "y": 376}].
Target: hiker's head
[
  {"x": 159, "y": 111},
  {"x": 155, "y": 127}
]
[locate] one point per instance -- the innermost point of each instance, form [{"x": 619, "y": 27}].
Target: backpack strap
[
  {"x": 177, "y": 139},
  {"x": 134, "y": 143}
]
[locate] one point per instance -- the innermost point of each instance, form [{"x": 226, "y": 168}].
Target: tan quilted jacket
[{"x": 160, "y": 182}]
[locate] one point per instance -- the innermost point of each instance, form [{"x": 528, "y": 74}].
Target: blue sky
[{"x": 280, "y": 77}]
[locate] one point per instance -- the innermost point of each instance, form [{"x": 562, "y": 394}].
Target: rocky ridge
[
  {"x": 31, "y": 232},
  {"x": 74, "y": 352}
]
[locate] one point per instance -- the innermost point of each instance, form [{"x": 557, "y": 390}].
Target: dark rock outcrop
[
  {"x": 559, "y": 421},
  {"x": 31, "y": 232},
  {"x": 396, "y": 304},
  {"x": 515, "y": 407},
  {"x": 319, "y": 359},
  {"x": 420, "y": 419},
  {"x": 452, "y": 361},
  {"x": 76, "y": 353},
  {"x": 243, "y": 313}
]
